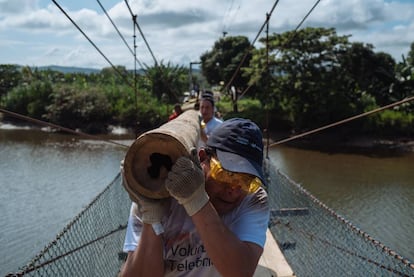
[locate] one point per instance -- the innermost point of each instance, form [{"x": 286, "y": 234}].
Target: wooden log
[{"x": 152, "y": 154}]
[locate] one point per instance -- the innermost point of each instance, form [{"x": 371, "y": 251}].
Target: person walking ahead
[
  {"x": 214, "y": 223},
  {"x": 177, "y": 111},
  {"x": 208, "y": 119}
]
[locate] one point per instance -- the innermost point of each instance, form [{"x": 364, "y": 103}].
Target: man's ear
[{"x": 202, "y": 155}]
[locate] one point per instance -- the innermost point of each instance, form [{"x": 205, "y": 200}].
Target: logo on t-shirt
[{"x": 187, "y": 257}]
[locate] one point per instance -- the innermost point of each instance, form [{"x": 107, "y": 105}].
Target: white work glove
[
  {"x": 185, "y": 182},
  {"x": 150, "y": 211}
]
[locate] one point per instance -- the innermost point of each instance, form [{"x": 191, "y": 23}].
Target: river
[
  {"x": 46, "y": 179},
  {"x": 375, "y": 193}
]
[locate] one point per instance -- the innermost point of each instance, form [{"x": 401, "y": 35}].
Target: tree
[
  {"x": 27, "y": 74},
  {"x": 369, "y": 72},
  {"x": 224, "y": 59},
  {"x": 303, "y": 83},
  {"x": 404, "y": 84},
  {"x": 30, "y": 99},
  {"x": 115, "y": 75},
  {"x": 87, "y": 109},
  {"x": 316, "y": 77},
  {"x": 410, "y": 56},
  {"x": 222, "y": 64},
  {"x": 168, "y": 81},
  {"x": 10, "y": 77}
]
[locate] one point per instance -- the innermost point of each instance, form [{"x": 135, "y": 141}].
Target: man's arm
[
  {"x": 230, "y": 255},
  {"x": 147, "y": 259}
]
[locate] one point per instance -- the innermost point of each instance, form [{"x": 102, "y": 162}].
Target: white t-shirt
[
  {"x": 211, "y": 125},
  {"x": 208, "y": 129},
  {"x": 184, "y": 252}
]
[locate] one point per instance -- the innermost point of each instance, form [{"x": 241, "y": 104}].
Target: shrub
[
  {"x": 86, "y": 109},
  {"x": 30, "y": 100},
  {"x": 391, "y": 123}
]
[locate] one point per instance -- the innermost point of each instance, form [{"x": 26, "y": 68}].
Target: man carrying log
[{"x": 215, "y": 219}]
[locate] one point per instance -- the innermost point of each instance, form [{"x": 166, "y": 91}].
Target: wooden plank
[
  {"x": 272, "y": 262},
  {"x": 289, "y": 212}
]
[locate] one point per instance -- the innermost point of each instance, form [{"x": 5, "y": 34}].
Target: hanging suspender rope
[
  {"x": 134, "y": 18},
  {"x": 344, "y": 121},
  {"x": 93, "y": 44},
  {"x": 142, "y": 34},
  {"x": 119, "y": 33},
  {"x": 251, "y": 46},
  {"x": 257, "y": 36}
]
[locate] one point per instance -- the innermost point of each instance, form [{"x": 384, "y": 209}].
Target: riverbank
[
  {"x": 328, "y": 143},
  {"x": 358, "y": 144}
]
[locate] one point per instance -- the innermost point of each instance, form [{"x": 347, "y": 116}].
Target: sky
[{"x": 37, "y": 32}]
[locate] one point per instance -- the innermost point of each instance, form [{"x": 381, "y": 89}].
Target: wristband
[{"x": 157, "y": 227}]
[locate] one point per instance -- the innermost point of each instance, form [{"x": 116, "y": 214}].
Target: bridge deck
[{"x": 272, "y": 262}]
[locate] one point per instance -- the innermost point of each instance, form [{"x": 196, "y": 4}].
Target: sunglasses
[{"x": 247, "y": 182}]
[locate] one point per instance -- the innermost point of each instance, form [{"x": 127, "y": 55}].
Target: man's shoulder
[
  {"x": 260, "y": 193},
  {"x": 218, "y": 119},
  {"x": 213, "y": 123},
  {"x": 259, "y": 197}
]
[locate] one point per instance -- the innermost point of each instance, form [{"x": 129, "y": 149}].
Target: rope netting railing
[
  {"x": 91, "y": 244},
  {"x": 316, "y": 241}
]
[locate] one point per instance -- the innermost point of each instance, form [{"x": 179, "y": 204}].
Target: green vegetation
[
  {"x": 313, "y": 77},
  {"x": 296, "y": 81},
  {"x": 92, "y": 102}
]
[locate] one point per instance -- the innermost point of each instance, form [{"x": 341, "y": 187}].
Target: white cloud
[
  {"x": 180, "y": 31},
  {"x": 8, "y": 7}
]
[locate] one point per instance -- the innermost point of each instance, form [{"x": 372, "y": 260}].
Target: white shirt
[
  {"x": 213, "y": 123},
  {"x": 184, "y": 252}
]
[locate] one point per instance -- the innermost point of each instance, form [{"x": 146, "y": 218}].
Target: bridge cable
[
  {"x": 119, "y": 33},
  {"x": 408, "y": 99},
  {"x": 267, "y": 65},
  {"x": 157, "y": 67},
  {"x": 290, "y": 39},
  {"x": 227, "y": 12},
  {"x": 267, "y": 86},
  {"x": 251, "y": 46},
  {"x": 142, "y": 34},
  {"x": 52, "y": 125},
  {"x": 93, "y": 44},
  {"x": 300, "y": 24}
]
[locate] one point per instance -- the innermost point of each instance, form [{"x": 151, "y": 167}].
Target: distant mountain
[
  {"x": 67, "y": 69},
  {"x": 72, "y": 69}
]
